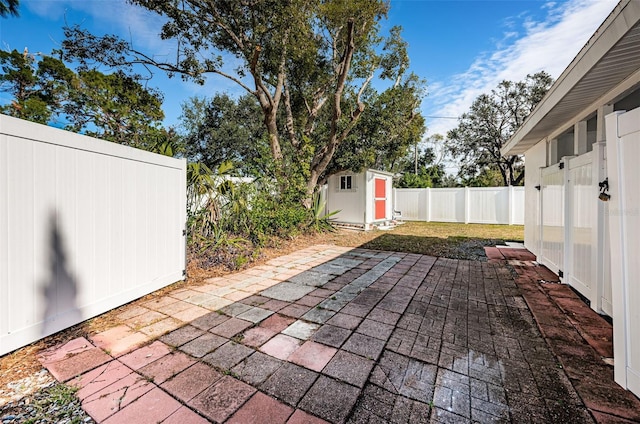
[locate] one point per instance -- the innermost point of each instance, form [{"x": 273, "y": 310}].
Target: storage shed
[
  {"x": 582, "y": 146},
  {"x": 364, "y": 199}
]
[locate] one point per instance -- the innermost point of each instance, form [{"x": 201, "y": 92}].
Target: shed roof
[{"x": 611, "y": 55}]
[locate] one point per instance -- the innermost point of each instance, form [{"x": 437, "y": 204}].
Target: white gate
[
  {"x": 581, "y": 188},
  {"x": 623, "y": 152},
  {"x": 552, "y": 218},
  {"x": 569, "y": 224}
]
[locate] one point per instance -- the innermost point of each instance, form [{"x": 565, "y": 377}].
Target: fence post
[
  {"x": 510, "y": 205},
  {"x": 428, "y": 204},
  {"x": 467, "y": 206},
  {"x": 568, "y": 219}
]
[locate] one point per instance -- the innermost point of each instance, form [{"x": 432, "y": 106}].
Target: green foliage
[
  {"x": 409, "y": 180},
  {"x": 491, "y": 121},
  {"x": 384, "y": 135},
  {"x": 9, "y": 7},
  {"x": 308, "y": 64},
  {"x": 115, "y": 107},
  {"x": 37, "y": 87},
  {"x": 223, "y": 129},
  {"x": 320, "y": 221}
]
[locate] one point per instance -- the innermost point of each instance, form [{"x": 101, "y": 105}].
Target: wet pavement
[{"x": 332, "y": 334}]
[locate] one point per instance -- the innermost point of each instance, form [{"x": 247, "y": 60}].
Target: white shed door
[{"x": 623, "y": 153}]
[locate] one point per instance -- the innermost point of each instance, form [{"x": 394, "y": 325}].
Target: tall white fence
[
  {"x": 478, "y": 205},
  {"x": 623, "y": 151},
  {"x": 85, "y": 226}
]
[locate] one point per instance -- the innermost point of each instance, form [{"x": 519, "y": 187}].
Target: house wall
[{"x": 85, "y": 226}]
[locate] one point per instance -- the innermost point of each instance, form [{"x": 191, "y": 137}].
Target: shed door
[{"x": 380, "y": 198}]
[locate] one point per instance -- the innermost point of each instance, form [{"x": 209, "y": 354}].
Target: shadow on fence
[{"x": 60, "y": 290}]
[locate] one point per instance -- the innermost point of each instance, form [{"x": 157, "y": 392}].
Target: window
[{"x": 346, "y": 182}]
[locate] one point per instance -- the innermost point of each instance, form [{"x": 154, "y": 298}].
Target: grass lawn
[{"x": 452, "y": 240}]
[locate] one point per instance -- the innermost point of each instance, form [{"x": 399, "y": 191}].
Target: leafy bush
[{"x": 229, "y": 221}]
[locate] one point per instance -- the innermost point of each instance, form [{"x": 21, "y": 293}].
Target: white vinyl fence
[
  {"x": 478, "y": 205},
  {"x": 623, "y": 151},
  {"x": 85, "y": 226}
]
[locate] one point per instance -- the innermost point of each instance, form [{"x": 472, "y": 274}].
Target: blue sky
[{"x": 462, "y": 48}]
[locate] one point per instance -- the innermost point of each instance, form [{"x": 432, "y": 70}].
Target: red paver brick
[
  {"x": 161, "y": 327},
  {"x": 119, "y": 340},
  {"x": 153, "y": 407},
  {"x": 72, "y": 359},
  {"x": 493, "y": 253},
  {"x": 166, "y": 367},
  {"x": 281, "y": 346},
  {"x": 145, "y": 319},
  {"x": 277, "y": 322},
  {"x": 190, "y": 314},
  {"x": 301, "y": 417},
  {"x": 185, "y": 415},
  {"x": 231, "y": 327},
  {"x": 99, "y": 378},
  {"x": 309, "y": 300},
  {"x": 192, "y": 381},
  {"x": 146, "y": 355},
  {"x": 221, "y": 400},
  {"x": 257, "y": 336},
  {"x": 274, "y": 304},
  {"x": 64, "y": 351},
  {"x": 259, "y": 408},
  {"x": 116, "y": 396},
  {"x": 313, "y": 355},
  {"x": 159, "y": 302},
  {"x": 294, "y": 310}
]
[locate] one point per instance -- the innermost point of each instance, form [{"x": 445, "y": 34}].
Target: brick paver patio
[{"x": 333, "y": 334}]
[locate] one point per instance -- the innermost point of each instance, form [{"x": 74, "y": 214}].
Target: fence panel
[
  {"x": 85, "y": 226},
  {"x": 552, "y": 217},
  {"x": 623, "y": 150},
  {"x": 583, "y": 209},
  {"x": 412, "y": 203},
  {"x": 479, "y": 205},
  {"x": 447, "y": 205},
  {"x": 489, "y": 205}
]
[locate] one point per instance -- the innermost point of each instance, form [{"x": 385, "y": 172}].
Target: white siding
[
  {"x": 85, "y": 226},
  {"x": 350, "y": 204}
]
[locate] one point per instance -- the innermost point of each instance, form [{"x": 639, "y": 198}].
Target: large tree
[
  {"x": 38, "y": 87},
  {"x": 223, "y": 129},
  {"x": 491, "y": 121},
  {"x": 383, "y": 136},
  {"x": 115, "y": 107},
  {"x": 298, "y": 58}
]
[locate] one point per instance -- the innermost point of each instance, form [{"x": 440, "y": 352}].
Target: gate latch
[{"x": 604, "y": 187}]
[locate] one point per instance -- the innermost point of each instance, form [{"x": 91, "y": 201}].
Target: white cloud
[{"x": 548, "y": 45}]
